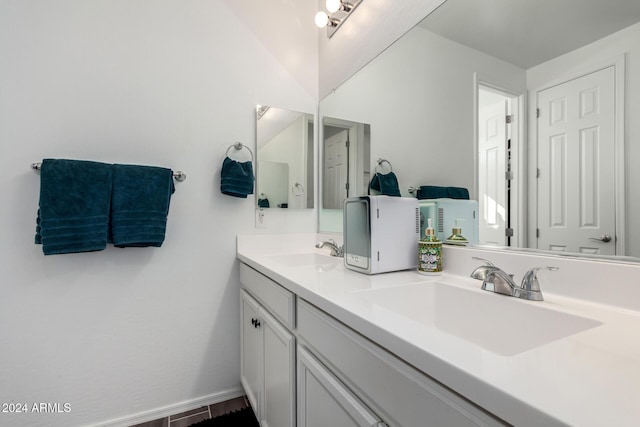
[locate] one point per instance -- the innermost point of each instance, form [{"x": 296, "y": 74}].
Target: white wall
[
  {"x": 428, "y": 141},
  {"x": 159, "y": 82},
  {"x": 627, "y": 43}
]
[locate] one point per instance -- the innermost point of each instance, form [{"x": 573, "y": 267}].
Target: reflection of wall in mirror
[
  {"x": 274, "y": 183},
  {"x": 288, "y": 147},
  {"x": 423, "y": 113},
  {"x": 418, "y": 97}
]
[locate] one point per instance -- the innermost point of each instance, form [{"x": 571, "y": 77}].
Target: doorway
[
  {"x": 345, "y": 161},
  {"x": 498, "y": 122}
]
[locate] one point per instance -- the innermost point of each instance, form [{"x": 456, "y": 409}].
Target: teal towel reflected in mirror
[
  {"x": 236, "y": 178},
  {"x": 85, "y": 205},
  {"x": 437, "y": 192},
  {"x": 385, "y": 184}
]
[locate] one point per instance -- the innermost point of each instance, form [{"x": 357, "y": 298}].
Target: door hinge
[
  {"x": 347, "y": 144},
  {"x": 537, "y": 172},
  {"x": 346, "y": 186},
  {"x": 508, "y": 232},
  {"x": 537, "y": 233},
  {"x": 508, "y": 175},
  {"x": 509, "y": 118},
  {"x": 537, "y": 113}
]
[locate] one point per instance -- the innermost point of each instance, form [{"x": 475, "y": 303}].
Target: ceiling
[{"x": 528, "y": 32}]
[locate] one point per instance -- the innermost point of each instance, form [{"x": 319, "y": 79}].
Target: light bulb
[
  {"x": 333, "y": 5},
  {"x": 322, "y": 19}
]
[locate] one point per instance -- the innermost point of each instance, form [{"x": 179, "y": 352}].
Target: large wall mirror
[
  {"x": 285, "y": 158},
  {"x": 529, "y": 105}
]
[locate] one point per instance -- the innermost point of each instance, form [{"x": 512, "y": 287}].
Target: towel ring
[
  {"x": 297, "y": 189},
  {"x": 177, "y": 175},
  {"x": 379, "y": 163},
  {"x": 239, "y": 146}
]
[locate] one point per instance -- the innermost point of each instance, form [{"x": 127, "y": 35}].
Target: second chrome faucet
[
  {"x": 496, "y": 280},
  {"x": 337, "y": 251}
]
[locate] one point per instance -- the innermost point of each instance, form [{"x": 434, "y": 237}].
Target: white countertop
[{"x": 589, "y": 378}]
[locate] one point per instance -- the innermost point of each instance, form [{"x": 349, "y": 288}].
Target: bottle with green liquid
[{"x": 430, "y": 252}]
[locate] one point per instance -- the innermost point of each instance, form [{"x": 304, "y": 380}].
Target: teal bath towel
[
  {"x": 140, "y": 205},
  {"x": 236, "y": 178},
  {"x": 436, "y": 192},
  {"x": 73, "y": 214}
]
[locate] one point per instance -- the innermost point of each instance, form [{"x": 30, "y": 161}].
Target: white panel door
[
  {"x": 492, "y": 203},
  {"x": 324, "y": 401},
  {"x": 278, "y": 405},
  {"x": 336, "y": 170},
  {"x": 576, "y": 162},
  {"x": 251, "y": 350}
]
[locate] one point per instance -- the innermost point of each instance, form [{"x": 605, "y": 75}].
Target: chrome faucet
[
  {"x": 496, "y": 280},
  {"x": 331, "y": 244},
  {"x": 481, "y": 272}
]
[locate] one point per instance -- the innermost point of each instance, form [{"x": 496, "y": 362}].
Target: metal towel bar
[{"x": 177, "y": 175}]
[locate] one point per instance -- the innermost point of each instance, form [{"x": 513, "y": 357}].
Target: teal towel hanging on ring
[
  {"x": 386, "y": 184},
  {"x": 236, "y": 178}
]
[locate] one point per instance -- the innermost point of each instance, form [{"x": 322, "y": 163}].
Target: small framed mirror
[
  {"x": 285, "y": 158},
  {"x": 345, "y": 167}
]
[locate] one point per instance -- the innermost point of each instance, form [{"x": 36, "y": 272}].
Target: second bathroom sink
[{"x": 500, "y": 324}]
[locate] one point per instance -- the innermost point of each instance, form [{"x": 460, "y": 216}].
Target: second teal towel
[{"x": 140, "y": 205}]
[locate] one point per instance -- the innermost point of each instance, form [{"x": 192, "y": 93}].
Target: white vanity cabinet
[
  {"x": 268, "y": 349},
  {"x": 302, "y": 367},
  {"x": 398, "y": 393}
]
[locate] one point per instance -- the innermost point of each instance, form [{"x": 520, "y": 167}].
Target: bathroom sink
[
  {"x": 500, "y": 324},
  {"x": 304, "y": 259}
]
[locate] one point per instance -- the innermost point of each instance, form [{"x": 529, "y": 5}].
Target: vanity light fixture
[
  {"x": 339, "y": 10},
  {"x": 261, "y": 110}
]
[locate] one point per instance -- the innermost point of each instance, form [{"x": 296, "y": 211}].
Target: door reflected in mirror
[
  {"x": 285, "y": 160},
  {"x": 345, "y": 167}
]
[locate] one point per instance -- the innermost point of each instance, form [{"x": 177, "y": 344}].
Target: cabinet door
[
  {"x": 324, "y": 401},
  {"x": 278, "y": 408},
  {"x": 251, "y": 350}
]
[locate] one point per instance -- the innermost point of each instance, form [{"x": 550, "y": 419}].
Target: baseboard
[{"x": 177, "y": 408}]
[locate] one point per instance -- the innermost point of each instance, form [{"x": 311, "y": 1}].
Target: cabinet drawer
[
  {"x": 402, "y": 395},
  {"x": 324, "y": 401},
  {"x": 279, "y": 301}
]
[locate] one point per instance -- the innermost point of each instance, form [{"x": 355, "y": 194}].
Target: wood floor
[{"x": 185, "y": 419}]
